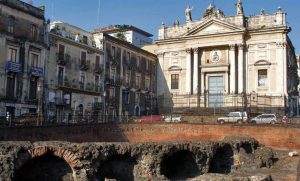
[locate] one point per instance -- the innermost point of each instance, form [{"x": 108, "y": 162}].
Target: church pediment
[{"x": 213, "y": 26}]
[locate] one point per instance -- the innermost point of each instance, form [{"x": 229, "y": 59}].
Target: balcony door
[{"x": 10, "y": 86}]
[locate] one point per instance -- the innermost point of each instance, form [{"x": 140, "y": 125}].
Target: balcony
[
  {"x": 98, "y": 69},
  {"x": 62, "y": 59},
  {"x": 36, "y": 71},
  {"x": 79, "y": 87},
  {"x": 113, "y": 81},
  {"x": 13, "y": 67},
  {"x": 113, "y": 60},
  {"x": 83, "y": 65},
  {"x": 97, "y": 106},
  {"x": 113, "y": 101},
  {"x": 59, "y": 101},
  {"x": 31, "y": 101}
]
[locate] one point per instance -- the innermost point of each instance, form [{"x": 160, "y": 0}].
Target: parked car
[
  {"x": 149, "y": 119},
  {"x": 234, "y": 117},
  {"x": 175, "y": 118},
  {"x": 265, "y": 119}
]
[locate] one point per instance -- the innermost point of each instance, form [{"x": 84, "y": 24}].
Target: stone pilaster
[
  {"x": 196, "y": 70},
  {"x": 232, "y": 69},
  {"x": 188, "y": 71},
  {"x": 241, "y": 69}
]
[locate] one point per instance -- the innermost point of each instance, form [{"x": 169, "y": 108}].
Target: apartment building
[
  {"x": 22, "y": 56},
  {"x": 75, "y": 75},
  {"x": 129, "y": 33},
  {"x": 130, "y": 78}
]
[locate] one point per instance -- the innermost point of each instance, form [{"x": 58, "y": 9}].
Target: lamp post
[{"x": 104, "y": 107}]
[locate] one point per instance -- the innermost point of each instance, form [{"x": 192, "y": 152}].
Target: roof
[
  {"x": 129, "y": 45},
  {"x": 37, "y": 12},
  {"x": 116, "y": 28}
]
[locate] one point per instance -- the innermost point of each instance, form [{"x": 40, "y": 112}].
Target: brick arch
[{"x": 66, "y": 155}]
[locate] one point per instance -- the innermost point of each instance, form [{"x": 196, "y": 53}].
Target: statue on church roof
[
  {"x": 239, "y": 6},
  {"x": 209, "y": 11},
  {"x": 220, "y": 13},
  {"x": 188, "y": 14},
  {"x": 176, "y": 23}
]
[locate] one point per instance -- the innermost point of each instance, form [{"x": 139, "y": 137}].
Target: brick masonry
[{"x": 277, "y": 137}]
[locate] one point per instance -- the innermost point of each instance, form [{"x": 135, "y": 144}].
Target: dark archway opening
[
  {"x": 47, "y": 167},
  {"x": 222, "y": 160},
  {"x": 180, "y": 166},
  {"x": 118, "y": 167}
]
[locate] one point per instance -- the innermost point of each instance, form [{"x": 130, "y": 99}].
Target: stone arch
[
  {"x": 117, "y": 166},
  {"x": 71, "y": 159},
  {"x": 180, "y": 165},
  {"x": 222, "y": 160}
]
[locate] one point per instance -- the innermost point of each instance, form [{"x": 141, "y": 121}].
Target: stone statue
[
  {"x": 176, "y": 23},
  {"x": 188, "y": 14},
  {"x": 239, "y": 6},
  {"x": 262, "y": 11},
  {"x": 220, "y": 13},
  {"x": 209, "y": 10}
]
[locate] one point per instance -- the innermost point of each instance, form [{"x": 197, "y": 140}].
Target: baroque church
[{"x": 227, "y": 61}]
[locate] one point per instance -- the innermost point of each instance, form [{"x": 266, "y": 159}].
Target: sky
[{"x": 149, "y": 14}]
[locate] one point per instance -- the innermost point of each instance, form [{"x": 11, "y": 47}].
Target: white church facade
[{"x": 227, "y": 61}]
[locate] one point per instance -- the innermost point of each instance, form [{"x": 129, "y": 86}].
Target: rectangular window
[
  {"x": 128, "y": 57},
  {"x": 113, "y": 51},
  {"x": 138, "y": 62},
  {"x": 175, "y": 81},
  {"x": 10, "y": 86},
  {"x": 137, "y": 98},
  {"x": 12, "y": 54},
  {"x": 113, "y": 74},
  {"x": 138, "y": 81},
  {"x": 147, "y": 83},
  {"x": 11, "y": 24},
  {"x": 112, "y": 92},
  {"x": 60, "y": 76},
  {"x": 97, "y": 61},
  {"x": 127, "y": 77},
  {"x": 33, "y": 88},
  {"x": 34, "y": 60},
  {"x": 147, "y": 65},
  {"x": 263, "y": 78},
  {"x": 83, "y": 57},
  {"x": 97, "y": 83},
  {"x": 33, "y": 31},
  {"x": 82, "y": 80}
]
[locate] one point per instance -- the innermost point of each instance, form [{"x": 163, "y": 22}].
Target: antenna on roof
[{"x": 98, "y": 14}]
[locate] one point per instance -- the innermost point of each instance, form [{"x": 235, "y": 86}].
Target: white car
[
  {"x": 265, "y": 119},
  {"x": 175, "y": 118}
]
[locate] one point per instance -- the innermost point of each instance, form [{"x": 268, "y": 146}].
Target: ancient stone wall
[
  {"x": 129, "y": 161},
  {"x": 278, "y": 137}
]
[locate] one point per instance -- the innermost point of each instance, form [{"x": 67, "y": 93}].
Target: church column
[
  {"x": 196, "y": 69},
  {"x": 232, "y": 69},
  {"x": 202, "y": 83},
  {"x": 241, "y": 69},
  {"x": 188, "y": 71}
]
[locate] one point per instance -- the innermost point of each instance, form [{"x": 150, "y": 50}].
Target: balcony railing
[
  {"x": 75, "y": 86},
  {"x": 83, "y": 65},
  {"x": 36, "y": 71},
  {"x": 99, "y": 69},
  {"x": 13, "y": 66},
  {"x": 32, "y": 101},
  {"x": 97, "y": 105},
  {"x": 60, "y": 101},
  {"x": 62, "y": 59}
]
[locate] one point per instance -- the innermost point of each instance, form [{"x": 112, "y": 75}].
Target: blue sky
[{"x": 148, "y": 14}]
